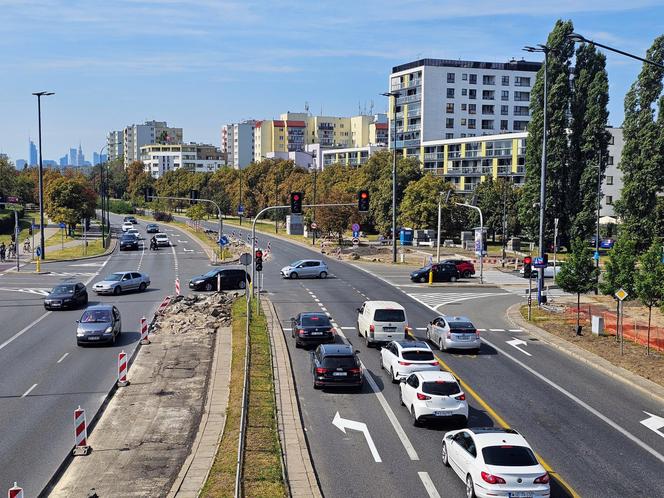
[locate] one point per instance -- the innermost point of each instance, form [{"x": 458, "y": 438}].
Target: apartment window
[
  {"x": 449, "y": 108},
  {"x": 463, "y": 121},
  {"x": 488, "y": 80},
  {"x": 464, "y": 76},
  {"x": 487, "y": 109},
  {"x": 488, "y": 94},
  {"x": 612, "y": 140},
  {"x": 609, "y": 180},
  {"x": 521, "y": 110},
  {"x": 505, "y": 95},
  {"x": 520, "y": 125},
  {"x": 504, "y": 125},
  {"x": 610, "y": 161},
  {"x": 464, "y": 107},
  {"x": 471, "y": 124},
  {"x": 472, "y": 108},
  {"x": 506, "y": 81},
  {"x": 521, "y": 81},
  {"x": 450, "y": 93},
  {"x": 504, "y": 110},
  {"x": 449, "y": 123},
  {"x": 472, "y": 94},
  {"x": 487, "y": 124},
  {"x": 464, "y": 92},
  {"x": 450, "y": 77},
  {"x": 463, "y": 135},
  {"x": 609, "y": 200},
  {"x": 522, "y": 96},
  {"x": 473, "y": 79},
  {"x": 449, "y": 135}
]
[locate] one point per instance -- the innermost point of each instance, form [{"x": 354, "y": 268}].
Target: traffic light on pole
[
  {"x": 363, "y": 201},
  {"x": 193, "y": 196},
  {"x": 527, "y": 265},
  {"x": 259, "y": 260},
  {"x": 296, "y": 202}
]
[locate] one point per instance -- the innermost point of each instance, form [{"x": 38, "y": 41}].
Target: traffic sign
[
  {"x": 240, "y": 209},
  {"x": 245, "y": 259},
  {"x": 12, "y": 199},
  {"x": 621, "y": 294},
  {"x": 38, "y": 251},
  {"x": 356, "y": 241},
  {"x": 540, "y": 262},
  {"x": 596, "y": 256},
  {"x": 223, "y": 240},
  {"x": 356, "y": 228},
  {"x": 314, "y": 225},
  {"x": 356, "y": 234},
  {"x": 62, "y": 224}
]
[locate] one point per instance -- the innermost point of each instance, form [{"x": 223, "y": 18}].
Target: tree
[
  {"x": 578, "y": 274},
  {"x": 197, "y": 212},
  {"x": 650, "y": 282},
  {"x": 335, "y": 220},
  {"x": 69, "y": 200},
  {"x": 643, "y": 151},
  {"x": 419, "y": 208},
  {"x": 620, "y": 269},
  {"x": 8, "y": 175},
  {"x": 497, "y": 198}
]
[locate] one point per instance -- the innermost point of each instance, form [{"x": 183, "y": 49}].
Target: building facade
[
  {"x": 115, "y": 144},
  {"x": 612, "y": 183},
  {"x": 438, "y": 99},
  {"x": 200, "y": 158},
  {"x": 33, "y": 155},
  {"x": 237, "y": 143},
  {"x": 128, "y": 142},
  {"x": 349, "y": 156}
]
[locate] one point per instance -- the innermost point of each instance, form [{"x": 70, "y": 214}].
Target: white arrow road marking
[
  {"x": 515, "y": 343},
  {"x": 183, "y": 241},
  {"x": 187, "y": 250},
  {"x": 343, "y": 423},
  {"x": 654, "y": 423}
]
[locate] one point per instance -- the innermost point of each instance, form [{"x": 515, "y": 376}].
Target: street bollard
[
  {"x": 145, "y": 339},
  {"x": 122, "y": 369},
  {"x": 430, "y": 277},
  {"x": 81, "y": 447},
  {"x": 177, "y": 286},
  {"x": 15, "y": 492}
]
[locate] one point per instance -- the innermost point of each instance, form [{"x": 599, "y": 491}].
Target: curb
[
  {"x": 111, "y": 248},
  {"x": 647, "y": 387}
]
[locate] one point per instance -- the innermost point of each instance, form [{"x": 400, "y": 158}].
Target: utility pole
[
  {"x": 394, "y": 95},
  {"x": 599, "y": 195},
  {"x": 39, "y": 95}
]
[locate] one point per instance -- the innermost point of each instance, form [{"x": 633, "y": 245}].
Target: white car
[
  {"x": 162, "y": 239},
  {"x": 402, "y": 358},
  {"x": 434, "y": 396},
  {"x": 453, "y": 332},
  {"x": 495, "y": 462},
  {"x": 127, "y": 225},
  {"x": 135, "y": 232},
  {"x": 548, "y": 271}
]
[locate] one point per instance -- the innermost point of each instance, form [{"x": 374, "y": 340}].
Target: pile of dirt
[{"x": 185, "y": 313}]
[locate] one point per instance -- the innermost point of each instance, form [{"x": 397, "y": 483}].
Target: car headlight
[
  {"x": 80, "y": 332},
  {"x": 108, "y": 330}
]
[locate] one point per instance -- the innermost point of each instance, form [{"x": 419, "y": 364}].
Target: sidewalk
[{"x": 300, "y": 476}]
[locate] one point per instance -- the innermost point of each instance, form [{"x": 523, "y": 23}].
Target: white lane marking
[
  {"x": 62, "y": 358},
  {"x": 323, "y": 308},
  {"x": 140, "y": 261},
  {"x": 184, "y": 249},
  {"x": 317, "y": 300},
  {"x": 347, "y": 328},
  {"x": 287, "y": 328},
  {"x": 428, "y": 485},
  {"x": 515, "y": 343},
  {"x": 39, "y": 292},
  {"x": 29, "y": 391},
  {"x": 481, "y": 330},
  {"x": 515, "y": 330},
  {"x": 420, "y": 328},
  {"x": 497, "y": 330},
  {"x": 183, "y": 241},
  {"x": 581, "y": 403},
  {"x": 343, "y": 423},
  {"x": 654, "y": 423},
  {"x": 175, "y": 262}
]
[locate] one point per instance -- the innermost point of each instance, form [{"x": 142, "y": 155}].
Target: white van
[{"x": 381, "y": 321}]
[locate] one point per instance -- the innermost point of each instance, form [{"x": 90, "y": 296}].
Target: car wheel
[
  {"x": 142, "y": 287},
  {"x": 443, "y": 455},
  {"x": 359, "y": 334},
  {"x": 453, "y": 278},
  {"x": 323, "y": 274},
  {"x": 470, "y": 487},
  {"x": 401, "y": 398},
  {"x": 297, "y": 344},
  {"x": 293, "y": 275},
  {"x": 117, "y": 290},
  {"x": 382, "y": 366},
  {"x": 416, "y": 422},
  {"x": 242, "y": 284},
  {"x": 423, "y": 280},
  {"x": 441, "y": 345},
  {"x": 316, "y": 386},
  {"x": 467, "y": 274},
  {"x": 208, "y": 286},
  {"x": 393, "y": 378}
]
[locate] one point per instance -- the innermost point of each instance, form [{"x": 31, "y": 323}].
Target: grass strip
[{"x": 94, "y": 248}]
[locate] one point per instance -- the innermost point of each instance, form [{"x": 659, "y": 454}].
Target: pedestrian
[
  {"x": 10, "y": 251},
  {"x": 26, "y": 245},
  {"x": 3, "y": 250}
]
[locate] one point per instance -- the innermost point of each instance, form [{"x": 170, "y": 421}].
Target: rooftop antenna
[
  {"x": 359, "y": 108},
  {"x": 306, "y": 107},
  {"x": 371, "y": 107}
]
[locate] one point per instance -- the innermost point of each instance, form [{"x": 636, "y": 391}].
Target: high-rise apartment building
[
  {"x": 115, "y": 144},
  {"x": 612, "y": 183},
  {"x": 73, "y": 157},
  {"x": 161, "y": 158},
  {"x": 440, "y": 99},
  {"x": 33, "y": 155},
  {"x": 237, "y": 143},
  {"x": 128, "y": 142},
  {"x": 64, "y": 161}
]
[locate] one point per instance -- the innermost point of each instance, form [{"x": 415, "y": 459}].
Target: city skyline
[
  {"x": 260, "y": 80},
  {"x": 74, "y": 157}
]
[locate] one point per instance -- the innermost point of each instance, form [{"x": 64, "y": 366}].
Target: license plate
[
  {"x": 316, "y": 333},
  {"x": 55, "y": 304},
  {"x": 93, "y": 338},
  {"x": 339, "y": 374},
  {"x": 389, "y": 329},
  {"x": 439, "y": 413},
  {"x": 520, "y": 494}
]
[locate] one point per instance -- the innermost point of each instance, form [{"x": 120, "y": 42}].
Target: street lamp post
[
  {"x": 239, "y": 212},
  {"x": 481, "y": 237},
  {"x": 39, "y": 95},
  {"x": 576, "y": 37},
  {"x": 599, "y": 195},
  {"x": 542, "y": 204},
  {"x": 101, "y": 195},
  {"x": 394, "y": 176}
]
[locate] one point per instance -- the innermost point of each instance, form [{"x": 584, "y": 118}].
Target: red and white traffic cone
[
  {"x": 15, "y": 492},
  {"x": 144, "y": 332},
  {"x": 80, "y": 433},
  {"x": 177, "y": 286},
  {"x": 122, "y": 369}
]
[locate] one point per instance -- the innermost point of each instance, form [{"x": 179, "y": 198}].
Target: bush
[
  {"x": 162, "y": 216},
  {"x": 121, "y": 207}
]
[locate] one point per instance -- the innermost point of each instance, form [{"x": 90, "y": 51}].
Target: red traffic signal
[
  {"x": 363, "y": 201},
  {"x": 259, "y": 254},
  {"x": 296, "y": 202},
  {"x": 527, "y": 260}
]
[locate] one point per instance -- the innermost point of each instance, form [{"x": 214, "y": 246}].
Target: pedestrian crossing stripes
[
  {"x": 438, "y": 299},
  {"x": 37, "y": 291}
]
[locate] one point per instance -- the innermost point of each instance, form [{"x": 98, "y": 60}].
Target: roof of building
[
  {"x": 512, "y": 65},
  {"x": 381, "y": 126}
]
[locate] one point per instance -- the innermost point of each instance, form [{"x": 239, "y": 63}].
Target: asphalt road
[
  {"x": 585, "y": 426},
  {"x": 45, "y": 376}
]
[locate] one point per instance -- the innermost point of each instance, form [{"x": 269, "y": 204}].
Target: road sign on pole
[
  {"x": 596, "y": 256},
  {"x": 621, "y": 294},
  {"x": 356, "y": 242},
  {"x": 355, "y": 227},
  {"x": 245, "y": 259}
]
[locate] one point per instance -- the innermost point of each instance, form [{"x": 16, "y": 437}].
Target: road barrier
[
  {"x": 144, "y": 331},
  {"x": 164, "y": 304},
  {"x": 15, "y": 492},
  {"x": 80, "y": 433},
  {"x": 177, "y": 286},
  {"x": 122, "y": 369}
]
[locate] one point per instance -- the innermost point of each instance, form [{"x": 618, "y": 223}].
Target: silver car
[
  {"x": 305, "y": 268},
  {"x": 100, "y": 323},
  {"x": 453, "y": 332},
  {"x": 122, "y": 281}
]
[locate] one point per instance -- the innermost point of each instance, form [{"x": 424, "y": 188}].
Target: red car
[{"x": 465, "y": 267}]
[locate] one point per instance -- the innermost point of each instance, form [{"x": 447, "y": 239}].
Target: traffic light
[
  {"x": 296, "y": 202},
  {"x": 193, "y": 196},
  {"x": 147, "y": 192},
  {"x": 527, "y": 265},
  {"x": 363, "y": 201},
  {"x": 30, "y": 230},
  {"x": 259, "y": 260}
]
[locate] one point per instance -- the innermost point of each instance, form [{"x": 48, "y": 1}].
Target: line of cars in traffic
[{"x": 491, "y": 461}]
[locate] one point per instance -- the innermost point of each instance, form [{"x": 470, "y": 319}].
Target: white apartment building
[
  {"x": 114, "y": 144},
  {"x": 440, "y": 99},
  {"x": 612, "y": 183},
  {"x": 199, "y": 158},
  {"x": 349, "y": 156},
  {"x": 135, "y": 136},
  {"x": 237, "y": 143}
]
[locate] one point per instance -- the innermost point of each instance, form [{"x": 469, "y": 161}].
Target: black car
[
  {"x": 312, "y": 328},
  {"x": 129, "y": 242},
  {"x": 231, "y": 278},
  {"x": 152, "y": 228},
  {"x": 66, "y": 296},
  {"x": 442, "y": 272},
  {"x": 336, "y": 365},
  {"x": 130, "y": 219}
]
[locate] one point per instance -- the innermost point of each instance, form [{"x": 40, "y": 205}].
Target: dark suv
[
  {"x": 129, "y": 241},
  {"x": 336, "y": 365},
  {"x": 442, "y": 272},
  {"x": 231, "y": 278},
  {"x": 465, "y": 267}
]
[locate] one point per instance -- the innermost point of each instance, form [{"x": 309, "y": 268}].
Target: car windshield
[
  {"x": 417, "y": 355},
  {"x": 509, "y": 456},
  {"x": 129, "y": 237},
  {"x": 340, "y": 362},
  {"x": 296, "y": 263},
  {"x": 441, "y": 388},
  {"x": 114, "y": 277},
  {"x": 161, "y": 236},
  {"x": 390, "y": 316},
  {"x": 63, "y": 289},
  {"x": 96, "y": 316},
  {"x": 315, "y": 321},
  {"x": 212, "y": 273},
  {"x": 425, "y": 268},
  {"x": 461, "y": 327}
]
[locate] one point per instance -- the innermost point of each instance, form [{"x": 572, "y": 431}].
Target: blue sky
[{"x": 200, "y": 64}]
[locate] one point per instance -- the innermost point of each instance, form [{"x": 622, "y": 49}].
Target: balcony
[
  {"x": 407, "y": 99},
  {"x": 409, "y": 84},
  {"x": 325, "y": 126},
  {"x": 434, "y": 156}
]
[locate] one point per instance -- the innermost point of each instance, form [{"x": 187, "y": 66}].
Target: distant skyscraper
[
  {"x": 73, "y": 157},
  {"x": 64, "y": 160},
  {"x": 21, "y": 163},
  {"x": 33, "y": 154},
  {"x": 80, "y": 158}
]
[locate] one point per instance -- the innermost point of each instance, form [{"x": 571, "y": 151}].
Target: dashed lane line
[
  {"x": 62, "y": 358},
  {"x": 428, "y": 484},
  {"x": 28, "y": 391}
]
